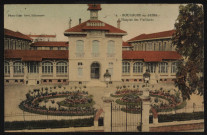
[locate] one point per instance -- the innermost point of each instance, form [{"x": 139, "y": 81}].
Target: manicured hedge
[
  {"x": 180, "y": 117},
  {"x": 42, "y": 124}
]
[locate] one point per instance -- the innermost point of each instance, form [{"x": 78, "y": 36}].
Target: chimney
[
  {"x": 70, "y": 23},
  {"x": 79, "y": 20},
  {"x": 118, "y": 23}
]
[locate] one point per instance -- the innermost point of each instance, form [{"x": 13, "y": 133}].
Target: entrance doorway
[
  {"x": 95, "y": 70},
  {"x": 151, "y": 67}
]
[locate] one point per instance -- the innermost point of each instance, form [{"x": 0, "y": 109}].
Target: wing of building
[{"x": 93, "y": 47}]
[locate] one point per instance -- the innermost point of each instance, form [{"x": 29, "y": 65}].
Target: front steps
[{"x": 96, "y": 83}]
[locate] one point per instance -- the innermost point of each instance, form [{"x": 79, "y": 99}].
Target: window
[
  {"x": 21, "y": 80},
  {"x": 95, "y": 48},
  {"x": 33, "y": 67},
  {"x": 6, "y": 44},
  {"x": 174, "y": 67},
  {"x": 47, "y": 68},
  {"x": 80, "y": 72},
  {"x": 170, "y": 46},
  {"x": 140, "y": 47},
  {"x": 164, "y": 45},
  {"x": 64, "y": 80},
  {"x": 18, "y": 68},
  {"x": 50, "y": 80},
  {"x": 151, "y": 67},
  {"x": 111, "y": 48},
  {"x": 59, "y": 80},
  {"x": 12, "y": 45},
  {"x": 6, "y": 68},
  {"x": 149, "y": 46},
  {"x": 23, "y": 45},
  {"x": 59, "y": 48},
  {"x": 138, "y": 67},
  {"x": 61, "y": 68},
  {"x": 80, "y": 63},
  {"x": 51, "y": 48},
  {"x": 18, "y": 45},
  {"x": 160, "y": 46},
  {"x": 163, "y": 67},
  {"x": 79, "y": 48},
  {"x": 126, "y": 67},
  {"x": 110, "y": 68}
]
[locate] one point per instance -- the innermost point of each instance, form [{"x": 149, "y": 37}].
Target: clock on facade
[{"x": 94, "y": 14}]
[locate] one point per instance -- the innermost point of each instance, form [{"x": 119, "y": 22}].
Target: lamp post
[
  {"x": 107, "y": 77},
  {"x": 145, "y": 103},
  {"x": 146, "y": 77}
]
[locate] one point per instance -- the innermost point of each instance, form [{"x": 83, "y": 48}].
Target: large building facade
[{"x": 92, "y": 48}]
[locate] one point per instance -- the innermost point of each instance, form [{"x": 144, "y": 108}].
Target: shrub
[
  {"x": 42, "y": 124},
  {"x": 180, "y": 117}
]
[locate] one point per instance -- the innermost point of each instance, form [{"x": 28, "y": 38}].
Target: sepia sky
[{"x": 53, "y": 18}]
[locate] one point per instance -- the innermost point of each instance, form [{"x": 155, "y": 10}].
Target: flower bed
[
  {"x": 121, "y": 93},
  {"x": 81, "y": 108},
  {"x": 130, "y": 97},
  {"x": 173, "y": 103}
]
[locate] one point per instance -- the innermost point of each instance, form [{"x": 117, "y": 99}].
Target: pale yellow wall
[{"x": 88, "y": 59}]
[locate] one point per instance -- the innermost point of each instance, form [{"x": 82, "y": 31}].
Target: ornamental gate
[{"x": 126, "y": 118}]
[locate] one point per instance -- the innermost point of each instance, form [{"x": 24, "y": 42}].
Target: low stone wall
[{"x": 177, "y": 126}]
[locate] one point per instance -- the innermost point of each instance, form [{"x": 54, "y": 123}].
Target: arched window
[
  {"x": 163, "y": 67},
  {"x": 61, "y": 68},
  {"x": 164, "y": 46},
  {"x": 160, "y": 46},
  {"x": 33, "y": 67},
  {"x": 170, "y": 46},
  {"x": 79, "y": 48},
  {"x": 151, "y": 67},
  {"x": 138, "y": 67},
  {"x": 47, "y": 68},
  {"x": 125, "y": 67},
  {"x": 6, "y": 68},
  {"x": 111, "y": 48},
  {"x": 174, "y": 67},
  {"x": 18, "y": 68},
  {"x": 95, "y": 48}
]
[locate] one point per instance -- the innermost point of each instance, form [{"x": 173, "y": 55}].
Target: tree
[{"x": 189, "y": 42}]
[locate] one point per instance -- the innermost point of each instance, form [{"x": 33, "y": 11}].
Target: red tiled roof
[
  {"x": 41, "y": 35},
  {"x": 150, "y": 56},
  {"x": 11, "y": 33},
  {"x": 51, "y": 43},
  {"x": 94, "y": 6},
  {"x": 82, "y": 27},
  {"x": 36, "y": 55},
  {"x": 153, "y": 35},
  {"x": 126, "y": 44}
]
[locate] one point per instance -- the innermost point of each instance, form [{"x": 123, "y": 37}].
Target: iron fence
[{"x": 126, "y": 118}]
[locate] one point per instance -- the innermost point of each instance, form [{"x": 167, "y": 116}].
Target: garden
[
  {"x": 162, "y": 100},
  {"x": 58, "y": 101}
]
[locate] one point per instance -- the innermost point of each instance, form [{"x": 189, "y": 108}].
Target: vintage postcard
[{"x": 103, "y": 68}]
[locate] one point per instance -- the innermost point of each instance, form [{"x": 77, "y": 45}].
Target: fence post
[
  {"x": 145, "y": 111},
  {"x": 107, "y": 116},
  {"x": 126, "y": 117}
]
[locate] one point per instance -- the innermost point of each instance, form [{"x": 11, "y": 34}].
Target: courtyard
[{"x": 15, "y": 94}]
